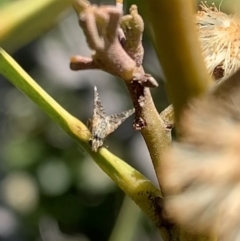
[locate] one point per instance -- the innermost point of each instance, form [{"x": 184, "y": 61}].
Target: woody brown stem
[
  {"x": 125, "y": 62},
  {"x": 156, "y": 133},
  {"x": 82, "y": 63}
]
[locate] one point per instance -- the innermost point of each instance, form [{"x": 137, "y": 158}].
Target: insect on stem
[{"x": 101, "y": 125}]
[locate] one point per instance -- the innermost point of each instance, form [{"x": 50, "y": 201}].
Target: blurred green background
[{"x": 50, "y": 189}]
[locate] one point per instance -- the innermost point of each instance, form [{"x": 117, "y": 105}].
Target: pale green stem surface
[
  {"x": 132, "y": 182},
  {"x": 127, "y": 222},
  {"x": 178, "y": 49},
  {"x": 22, "y": 21}
]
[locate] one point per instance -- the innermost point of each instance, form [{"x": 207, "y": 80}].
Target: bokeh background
[{"x": 50, "y": 189}]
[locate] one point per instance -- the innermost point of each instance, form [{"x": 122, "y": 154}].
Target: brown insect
[{"x": 102, "y": 125}]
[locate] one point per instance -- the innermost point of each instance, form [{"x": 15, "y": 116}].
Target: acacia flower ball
[{"x": 219, "y": 35}]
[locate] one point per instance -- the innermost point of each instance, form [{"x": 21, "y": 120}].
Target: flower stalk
[{"x": 176, "y": 42}]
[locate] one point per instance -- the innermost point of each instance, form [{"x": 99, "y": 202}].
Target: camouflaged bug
[{"x": 101, "y": 125}]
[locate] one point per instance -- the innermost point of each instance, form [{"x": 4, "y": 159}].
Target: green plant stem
[
  {"x": 132, "y": 182},
  {"x": 155, "y": 133},
  {"x": 22, "y": 21},
  {"x": 167, "y": 116},
  {"x": 127, "y": 221},
  {"x": 178, "y": 49}
]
